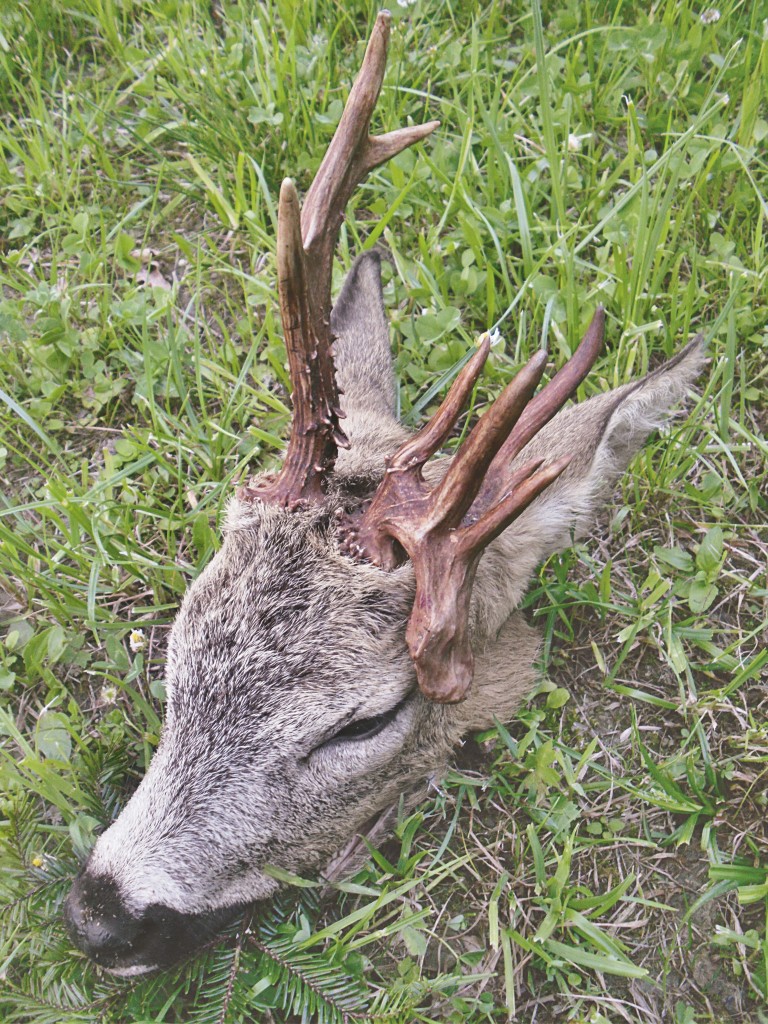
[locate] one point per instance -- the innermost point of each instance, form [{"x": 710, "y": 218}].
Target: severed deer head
[{"x": 360, "y": 617}]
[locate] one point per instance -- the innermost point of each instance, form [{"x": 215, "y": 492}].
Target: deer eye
[{"x": 365, "y": 728}]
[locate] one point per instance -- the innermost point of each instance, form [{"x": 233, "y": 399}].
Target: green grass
[{"x": 602, "y": 858}]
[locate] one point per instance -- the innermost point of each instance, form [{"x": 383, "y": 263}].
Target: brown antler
[
  {"x": 444, "y": 530},
  {"x": 306, "y": 240}
]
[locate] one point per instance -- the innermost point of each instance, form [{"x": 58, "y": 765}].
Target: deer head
[{"x": 360, "y": 617}]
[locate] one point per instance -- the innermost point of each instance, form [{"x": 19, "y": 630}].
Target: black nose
[
  {"x": 102, "y": 926},
  {"x": 99, "y": 922}
]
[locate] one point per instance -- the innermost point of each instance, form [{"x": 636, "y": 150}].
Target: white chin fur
[{"x": 130, "y": 972}]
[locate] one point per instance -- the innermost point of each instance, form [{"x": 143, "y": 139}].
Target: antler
[
  {"x": 445, "y": 530},
  {"x": 306, "y": 240}
]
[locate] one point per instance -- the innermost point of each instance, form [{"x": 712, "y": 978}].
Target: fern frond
[
  {"x": 311, "y": 985},
  {"x": 57, "y": 1005}
]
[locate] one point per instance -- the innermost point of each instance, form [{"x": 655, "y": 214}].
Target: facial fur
[{"x": 258, "y": 687}]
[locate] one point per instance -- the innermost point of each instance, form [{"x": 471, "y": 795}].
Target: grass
[{"x": 602, "y": 858}]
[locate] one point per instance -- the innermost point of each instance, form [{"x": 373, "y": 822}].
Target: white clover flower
[
  {"x": 108, "y": 694},
  {"x": 710, "y": 16},
  {"x": 137, "y": 641}
]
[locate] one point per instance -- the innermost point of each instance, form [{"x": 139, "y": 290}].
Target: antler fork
[{"x": 306, "y": 239}]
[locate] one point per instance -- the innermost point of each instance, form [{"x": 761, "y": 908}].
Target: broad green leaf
[
  {"x": 52, "y": 735},
  {"x": 710, "y": 551},
  {"x": 558, "y": 697},
  {"x": 701, "y": 596},
  {"x": 675, "y": 557}
]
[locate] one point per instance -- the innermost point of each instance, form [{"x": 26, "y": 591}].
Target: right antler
[
  {"x": 306, "y": 240},
  {"x": 444, "y": 530}
]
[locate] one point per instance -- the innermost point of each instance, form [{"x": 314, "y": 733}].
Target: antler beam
[
  {"x": 444, "y": 530},
  {"x": 306, "y": 239}
]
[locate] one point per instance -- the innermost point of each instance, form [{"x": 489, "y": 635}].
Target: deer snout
[
  {"x": 99, "y": 922},
  {"x": 129, "y": 943}
]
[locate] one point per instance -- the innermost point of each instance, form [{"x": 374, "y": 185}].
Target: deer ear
[
  {"x": 602, "y": 434},
  {"x": 361, "y": 350}
]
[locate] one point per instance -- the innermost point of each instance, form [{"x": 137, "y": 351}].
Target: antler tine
[
  {"x": 306, "y": 240},
  {"x": 513, "y": 419},
  {"x": 525, "y": 484},
  {"x": 543, "y": 407},
  {"x": 562, "y": 387},
  {"x": 460, "y": 485},
  {"x": 436, "y": 431},
  {"x": 349, "y": 158}
]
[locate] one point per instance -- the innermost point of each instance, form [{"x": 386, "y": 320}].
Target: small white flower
[
  {"x": 493, "y": 336},
  {"x": 710, "y": 16},
  {"x": 575, "y": 141},
  {"x": 108, "y": 694},
  {"x": 137, "y": 641}
]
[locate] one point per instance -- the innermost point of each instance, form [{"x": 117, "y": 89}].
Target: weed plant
[{"x": 602, "y": 858}]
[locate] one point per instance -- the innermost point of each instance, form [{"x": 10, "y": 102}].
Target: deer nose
[
  {"x": 99, "y": 922},
  {"x": 129, "y": 943}
]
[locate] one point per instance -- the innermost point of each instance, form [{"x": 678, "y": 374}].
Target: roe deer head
[{"x": 360, "y": 617}]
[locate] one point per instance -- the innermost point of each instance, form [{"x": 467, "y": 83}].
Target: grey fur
[
  {"x": 364, "y": 372},
  {"x": 361, "y": 350},
  {"x": 282, "y": 640}
]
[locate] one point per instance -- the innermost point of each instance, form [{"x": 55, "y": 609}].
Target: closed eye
[{"x": 365, "y": 728}]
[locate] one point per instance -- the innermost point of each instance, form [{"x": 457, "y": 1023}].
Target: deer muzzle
[{"x": 127, "y": 943}]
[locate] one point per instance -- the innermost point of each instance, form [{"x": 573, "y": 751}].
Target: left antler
[
  {"x": 445, "y": 530},
  {"x": 306, "y": 240}
]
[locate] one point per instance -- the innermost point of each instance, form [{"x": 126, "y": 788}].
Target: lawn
[{"x": 604, "y": 856}]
